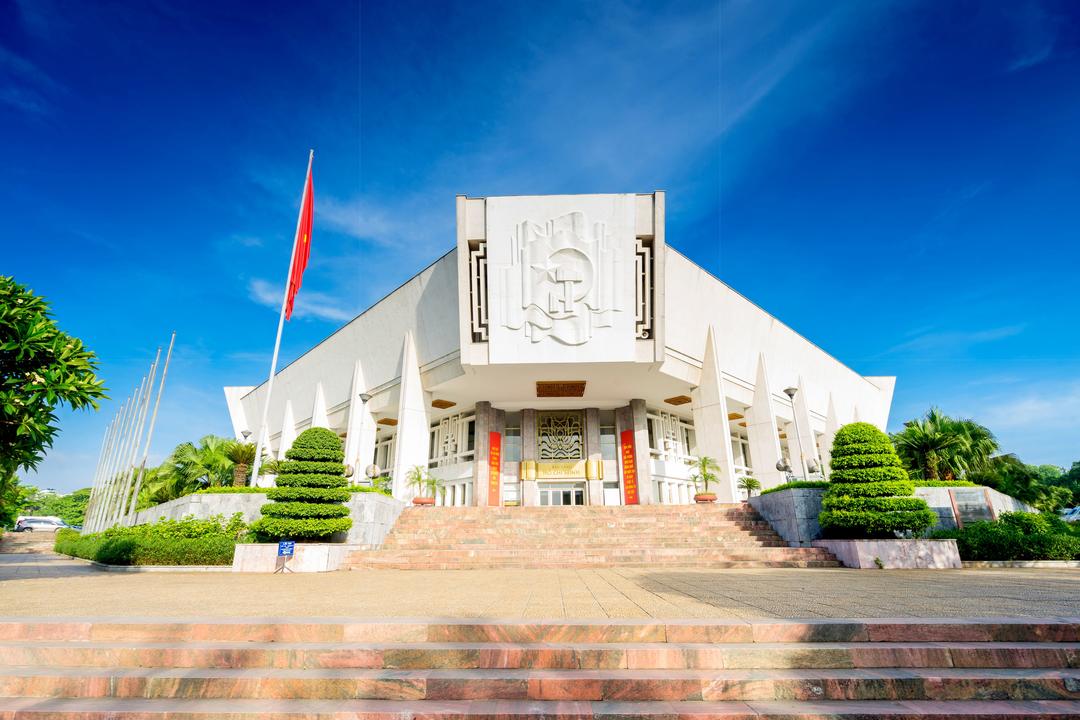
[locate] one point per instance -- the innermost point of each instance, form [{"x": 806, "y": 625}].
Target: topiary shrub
[
  {"x": 311, "y": 487},
  {"x": 869, "y": 494}
]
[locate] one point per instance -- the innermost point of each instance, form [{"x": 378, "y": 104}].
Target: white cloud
[
  {"x": 320, "y": 306},
  {"x": 1035, "y": 34},
  {"x": 28, "y": 87},
  {"x": 953, "y": 341},
  {"x": 1054, "y": 409}
]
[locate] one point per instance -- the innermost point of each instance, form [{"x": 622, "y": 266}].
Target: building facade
[{"x": 563, "y": 354}]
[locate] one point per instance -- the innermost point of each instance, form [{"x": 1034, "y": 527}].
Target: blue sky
[{"x": 896, "y": 181}]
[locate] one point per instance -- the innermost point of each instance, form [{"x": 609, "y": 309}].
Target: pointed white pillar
[
  {"x": 801, "y": 409},
  {"x": 711, "y": 420},
  {"x": 832, "y": 424},
  {"x": 288, "y": 430},
  {"x": 360, "y": 432},
  {"x": 413, "y": 431},
  {"x": 761, "y": 431},
  {"x": 855, "y": 414},
  {"x": 319, "y": 418}
]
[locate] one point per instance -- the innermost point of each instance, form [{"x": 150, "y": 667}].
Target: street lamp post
[{"x": 808, "y": 465}]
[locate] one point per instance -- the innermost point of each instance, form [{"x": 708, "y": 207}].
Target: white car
[
  {"x": 1071, "y": 515},
  {"x": 39, "y": 524}
]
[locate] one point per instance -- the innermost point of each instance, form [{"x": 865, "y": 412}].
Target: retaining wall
[
  {"x": 372, "y": 514},
  {"x": 794, "y": 513}
]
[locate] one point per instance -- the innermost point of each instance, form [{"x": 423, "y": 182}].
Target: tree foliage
[
  {"x": 939, "y": 447},
  {"x": 41, "y": 368},
  {"x": 307, "y": 503},
  {"x": 869, "y": 494},
  {"x": 1027, "y": 483}
]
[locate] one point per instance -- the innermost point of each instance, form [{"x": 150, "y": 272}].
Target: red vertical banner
[
  {"x": 629, "y": 468},
  {"x": 495, "y": 469}
]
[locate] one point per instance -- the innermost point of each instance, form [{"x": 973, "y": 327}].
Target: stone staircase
[
  {"x": 444, "y": 669},
  {"x": 703, "y": 536},
  {"x": 27, "y": 542}
]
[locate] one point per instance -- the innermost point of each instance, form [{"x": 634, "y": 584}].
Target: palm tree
[
  {"x": 924, "y": 442},
  {"x": 425, "y": 483},
  {"x": 705, "y": 469},
  {"x": 749, "y": 484},
  {"x": 941, "y": 447},
  {"x": 207, "y": 464},
  {"x": 242, "y": 455}
]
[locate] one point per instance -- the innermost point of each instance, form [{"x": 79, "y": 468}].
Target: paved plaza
[{"x": 43, "y": 584}]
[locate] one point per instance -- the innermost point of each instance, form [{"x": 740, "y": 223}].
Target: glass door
[{"x": 562, "y": 493}]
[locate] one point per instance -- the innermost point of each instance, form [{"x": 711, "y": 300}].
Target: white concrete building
[{"x": 563, "y": 353}]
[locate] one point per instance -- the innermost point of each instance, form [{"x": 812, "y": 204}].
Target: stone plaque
[{"x": 971, "y": 505}]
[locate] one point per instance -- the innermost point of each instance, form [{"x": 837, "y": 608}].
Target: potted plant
[
  {"x": 749, "y": 484},
  {"x": 704, "y": 473},
  {"x": 425, "y": 484}
]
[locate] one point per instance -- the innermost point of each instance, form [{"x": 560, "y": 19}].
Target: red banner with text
[
  {"x": 494, "y": 469},
  {"x": 629, "y": 468}
]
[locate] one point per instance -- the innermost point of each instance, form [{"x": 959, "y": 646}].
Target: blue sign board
[{"x": 286, "y": 548}]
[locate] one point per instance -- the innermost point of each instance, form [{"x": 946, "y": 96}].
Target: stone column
[
  {"x": 485, "y": 424},
  {"x": 530, "y": 493},
  {"x": 593, "y": 458},
  {"x": 641, "y": 445}
]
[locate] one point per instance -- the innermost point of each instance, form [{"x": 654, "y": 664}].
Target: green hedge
[
  {"x": 901, "y": 488},
  {"x": 305, "y": 505},
  {"x": 1016, "y": 536},
  {"x": 945, "y": 483},
  {"x": 304, "y": 510},
  {"x": 869, "y": 495},
  {"x": 370, "y": 489},
  {"x": 315, "y": 494},
  {"x": 889, "y": 473},
  {"x": 308, "y": 528},
  {"x": 166, "y": 542},
  {"x": 313, "y": 480},
  {"x": 795, "y": 485}
]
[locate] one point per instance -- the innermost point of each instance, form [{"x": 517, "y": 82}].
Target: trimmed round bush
[
  {"x": 869, "y": 494},
  {"x": 311, "y": 487}
]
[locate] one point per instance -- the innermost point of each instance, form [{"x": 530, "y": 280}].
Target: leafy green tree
[
  {"x": 1010, "y": 475},
  {"x": 869, "y": 493},
  {"x": 70, "y": 508},
  {"x": 41, "y": 369},
  {"x": 311, "y": 487}
]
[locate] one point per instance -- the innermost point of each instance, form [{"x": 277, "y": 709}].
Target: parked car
[
  {"x": 39, "y": 524},
  {"x": 1071, "y": 515}
]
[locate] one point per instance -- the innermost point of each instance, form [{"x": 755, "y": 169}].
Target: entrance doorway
[{"x": 562, "y": 493}]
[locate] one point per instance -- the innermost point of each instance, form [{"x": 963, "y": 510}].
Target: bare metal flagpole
[
  {"x": 150, "y": 432},
  {"x": 129, "y": 470},
  {"x": 95, "y": 492},
  {"x": 280, "y": 326},
  {"x": 110, "y": 463},
  {"x": 125, "y": 450}
]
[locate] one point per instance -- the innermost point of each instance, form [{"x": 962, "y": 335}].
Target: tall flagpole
[{"x": 280, "y": 326}]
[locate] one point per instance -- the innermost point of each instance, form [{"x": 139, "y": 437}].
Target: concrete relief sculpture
[{"x": 563, "y": 281}]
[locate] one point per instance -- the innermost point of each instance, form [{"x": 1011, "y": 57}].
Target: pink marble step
[
  {"x": 331, "y": 630},
  {"x": 610, "y": 685},
  {"x": 545, "y": 655},
  {"x": 142, "y": 709}
]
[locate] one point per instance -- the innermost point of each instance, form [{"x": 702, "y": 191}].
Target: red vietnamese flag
[{"x": 302, "y": 244}]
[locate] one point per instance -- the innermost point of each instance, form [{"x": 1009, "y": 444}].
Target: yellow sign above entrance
[{"x": 561, "y": 469}]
